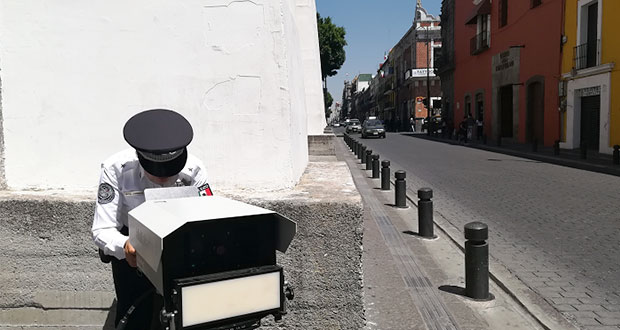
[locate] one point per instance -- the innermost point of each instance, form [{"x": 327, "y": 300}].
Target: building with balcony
[
  {"x": 408, "y": 74},
  {"x": 506, "y": 60},
  {"x": 590, "y": 112}
]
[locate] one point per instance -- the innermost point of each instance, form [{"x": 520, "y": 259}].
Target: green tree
[
  {"x": 331, "y": 44},
  {"x": 328, "y": 99}
]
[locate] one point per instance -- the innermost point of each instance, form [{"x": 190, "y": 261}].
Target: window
[
  {"x": 535, "y": 3},
  {"x": 503, "y": 13}
]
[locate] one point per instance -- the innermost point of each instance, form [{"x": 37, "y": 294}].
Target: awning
[{"x": 483, "y": 8}]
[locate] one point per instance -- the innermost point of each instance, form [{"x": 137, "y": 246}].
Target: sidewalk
[
  {"x": 408, "y": 280},
  {"x": 595, "y": 162}
]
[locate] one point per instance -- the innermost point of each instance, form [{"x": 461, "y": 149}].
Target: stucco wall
[
  {"x": 73, "y": 72},
  {"x": 305, "y": 14}
]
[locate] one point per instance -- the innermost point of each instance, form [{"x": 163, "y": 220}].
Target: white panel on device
[{"x": 220, "y": 300}]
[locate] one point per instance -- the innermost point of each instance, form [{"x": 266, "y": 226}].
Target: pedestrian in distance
[
  {"x": 462, "y": 135},
  {"x": 159, "y": 158}
]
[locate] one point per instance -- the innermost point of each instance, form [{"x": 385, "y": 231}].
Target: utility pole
[{"x": 429, "y": 122}]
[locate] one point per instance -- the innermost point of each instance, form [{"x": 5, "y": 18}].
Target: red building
[{"x": 507, "y": 63}]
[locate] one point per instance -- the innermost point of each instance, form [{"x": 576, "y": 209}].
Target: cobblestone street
[{"x": 555, "y": 228}]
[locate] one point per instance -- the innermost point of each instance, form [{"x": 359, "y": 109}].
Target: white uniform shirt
[{"x": 121, "y": 188}]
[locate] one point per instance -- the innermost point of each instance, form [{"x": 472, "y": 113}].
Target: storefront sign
[
  {"x": 590, "y": 91},
  {"x": 506, "y": 61},
  {"x": 419, "y": 73}
]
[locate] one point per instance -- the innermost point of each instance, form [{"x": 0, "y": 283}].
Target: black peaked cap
[{"x": 158, "y": 131}]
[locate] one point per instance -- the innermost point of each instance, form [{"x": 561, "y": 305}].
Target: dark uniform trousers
[{"x": 130, "y": 284}]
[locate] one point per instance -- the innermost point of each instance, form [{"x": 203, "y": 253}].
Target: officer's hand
[{"x": 130, "y": 254}]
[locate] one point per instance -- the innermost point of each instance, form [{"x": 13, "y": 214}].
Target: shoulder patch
[
  {"x": 106, "y": 193},
  {"x": 205, "y": 190}
]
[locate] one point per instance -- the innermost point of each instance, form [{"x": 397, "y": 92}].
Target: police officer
[{"x": 159, "y": 158}]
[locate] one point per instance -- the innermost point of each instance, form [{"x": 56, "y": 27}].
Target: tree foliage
[
  {"x": 328, "y": 99},
  {"x": 331, "y": 44}
]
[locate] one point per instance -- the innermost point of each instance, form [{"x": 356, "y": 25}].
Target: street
[{"x": 555, "y": 228}]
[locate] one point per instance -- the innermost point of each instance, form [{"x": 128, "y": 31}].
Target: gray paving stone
[
  {"x": 609, "y": 321},
  {"x": 565, "y": 308},
  {"x": 564, "y": 301},
  {"x": 592, "y": 308},
  {"x": 569, "y": 294},
  {"x": 534, "y": 211}
]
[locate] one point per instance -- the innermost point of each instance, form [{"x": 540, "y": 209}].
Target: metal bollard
[
  {"x": 583, "y": 150},
  {"x": 354, "y": 149},
  {"x": 368, "y": 159},
  {"x": 375, "y": 166},
  {"x": 362, "y": 156},
  {"x": 616, "y": 156},
  {"x": 385, "y": 175},
  {"x": 477, "y": 261},
  {"x": 535, "y": 145},
  {"x": 358, "y": 146},
  {"x": 556, "y": 147},
  {"x": 425, "y": 213},
  {"x": 401, "y": 189}
]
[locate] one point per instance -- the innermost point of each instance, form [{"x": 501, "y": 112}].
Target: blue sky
[{"x": 372, "y": 28}]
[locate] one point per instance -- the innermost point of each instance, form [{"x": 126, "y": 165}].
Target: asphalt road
[{"x": 556, "y": 228}]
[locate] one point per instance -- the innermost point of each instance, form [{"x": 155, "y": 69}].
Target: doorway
[
  {"x": 590, "y": 121},
  {"x": 505, "y": 112},
  {"x": 535, "y": 127}
]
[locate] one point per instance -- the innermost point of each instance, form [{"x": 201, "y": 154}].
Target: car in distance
[
  {"x": 373, "y": 127},
  {"x": 353, "y": 125}
]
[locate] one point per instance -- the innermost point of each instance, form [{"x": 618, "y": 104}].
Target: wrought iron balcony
[
  {"x": 479, "y": 43},
  {"x": 587, "y": 55}
]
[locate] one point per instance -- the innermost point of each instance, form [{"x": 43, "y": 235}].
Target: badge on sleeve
[
  {"x": 106, "y": 193},
  {"x": 205, "y": 190}
]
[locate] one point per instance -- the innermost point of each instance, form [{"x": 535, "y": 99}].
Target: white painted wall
[
  {"x": 74, "y": 71},
  {"x": 305, "y": 13}
]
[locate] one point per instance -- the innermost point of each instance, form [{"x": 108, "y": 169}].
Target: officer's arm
[
  {"x": 106, "y": 225},
  {"x": 199, "y": 175}
]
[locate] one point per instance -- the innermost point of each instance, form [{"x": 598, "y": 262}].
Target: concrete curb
[
  {"x": 538, "y": 308},
  {"x": 538, "y": 157}
]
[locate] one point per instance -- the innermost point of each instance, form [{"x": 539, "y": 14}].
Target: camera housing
[{"x": 213, "y": 259}]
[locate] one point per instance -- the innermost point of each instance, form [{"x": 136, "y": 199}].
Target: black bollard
[
  {"x": 362, "y": 156},
  {"x": 355, "y": 146},
  {"x": 484, "y": 139},
  {"x": 425, "y": 213},
  {"x": 535, "y": 145},
  {"x": 375, "y": 166},
  {"x": 583, "y": 150},
  {"x": 401, "y": 189},
  {"x": 499, "y": 140},
  {"x": 368, "y": 160},
  {"x": 556, "y": 147},
  {"x": 385, "y": 175},
  {"x": 477, "y": 261},
  {"x": 357, "y": 150},
  {"x": 616, "y": 156}
]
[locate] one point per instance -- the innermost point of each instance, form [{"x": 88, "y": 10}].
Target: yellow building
[{"x": 591, "y": 82}]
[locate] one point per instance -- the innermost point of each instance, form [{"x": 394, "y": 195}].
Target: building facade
[
  {"x": 445, "y": 65},
  {"x": 406, "y": 77},
  {"x": 590, "y": 112},
  {"x": 507, "y": 68}
]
